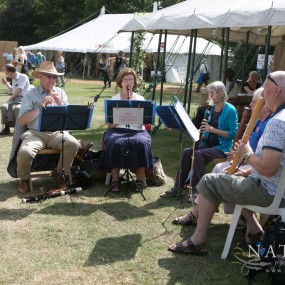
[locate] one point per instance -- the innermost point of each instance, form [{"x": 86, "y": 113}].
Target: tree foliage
[{"x": 31, "y": 21}]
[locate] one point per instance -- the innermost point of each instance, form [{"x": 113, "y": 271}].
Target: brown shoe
[
  {"x": 24, "y": 186},
  {"x": 58, "y": 178},
  {"x": 189, "y": 248}
]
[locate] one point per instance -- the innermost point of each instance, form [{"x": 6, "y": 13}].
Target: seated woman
[
  {"x": 127, "y": 146},
  {"x": 219, "y": 129},
  {"x": 252, "y": 83},
  {"x": 244, "y": 170}
]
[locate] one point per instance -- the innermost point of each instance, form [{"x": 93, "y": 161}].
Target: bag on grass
[
  {"x": 93, "y": 164},
  {"x": 156, "y": 177}
]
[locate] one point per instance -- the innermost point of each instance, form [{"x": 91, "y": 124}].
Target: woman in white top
[{"x": 127, "y": 146}]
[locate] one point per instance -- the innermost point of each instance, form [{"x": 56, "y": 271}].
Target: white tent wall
[{"x": 176, "y": 71}]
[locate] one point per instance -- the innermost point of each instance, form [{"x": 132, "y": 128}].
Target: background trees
[{"x": 31, "y": 21}]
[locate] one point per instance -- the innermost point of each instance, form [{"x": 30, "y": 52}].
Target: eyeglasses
[
  {"x": 49, "y": 76},
  {"x": 128, "y": 79},
  {"x": 271, "y": 79}
]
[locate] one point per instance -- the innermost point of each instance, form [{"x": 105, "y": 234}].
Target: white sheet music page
[
  {"x": 128, "y": 116},
  {"x": 193, "y": 132}
]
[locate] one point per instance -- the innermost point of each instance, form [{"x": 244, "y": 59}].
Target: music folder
[
  {"x": 175, "y": 117},
  {"x": 129, "y": 112},
  {"x": 68, "y": 117}
]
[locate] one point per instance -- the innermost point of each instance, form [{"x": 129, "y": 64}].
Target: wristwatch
[{"x": 247, "y": 155}]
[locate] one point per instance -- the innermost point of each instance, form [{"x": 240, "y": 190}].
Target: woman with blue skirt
[{"x": 127, "y": 146}]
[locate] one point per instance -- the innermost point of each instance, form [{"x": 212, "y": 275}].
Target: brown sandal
[
  {"x": 190, "y": 248},
  {"x": 191, "y": 222}
]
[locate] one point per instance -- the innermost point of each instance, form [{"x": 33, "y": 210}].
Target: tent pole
[
  {"x": 245, "y": 55},
  {"x": 157, "y": 65},
  {"x": 222, "y": 54},
  {"x": 226, "y": 54},
  {"x": 188, "y": 69},
  {"x": 267, "y": 46},
  {"x": 163, "y": 68},
  {"x": 131, "y": 49},
  {"x": 192, "y": 73}
]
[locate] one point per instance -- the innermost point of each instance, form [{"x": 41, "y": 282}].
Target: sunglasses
[
  {"x": 271, "y": 79},
  {"x": 49, "y": 76}
]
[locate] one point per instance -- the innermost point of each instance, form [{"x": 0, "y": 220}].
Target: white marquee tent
[
  {"x": 100, "y": 36},
  {"x": 242, "y": 17}
]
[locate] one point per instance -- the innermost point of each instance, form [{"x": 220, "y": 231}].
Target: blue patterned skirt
[{"x": 126, "y": 148}]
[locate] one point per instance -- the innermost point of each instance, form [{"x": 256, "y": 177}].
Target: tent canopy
[
  {"x": 242, "y": 17},
  {"x": 100, "y": 35}
]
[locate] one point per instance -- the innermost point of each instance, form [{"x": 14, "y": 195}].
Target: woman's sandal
[
  {"x": 191, "y": 222},
  {"x": 139, "y": 186},
  {"x": 115, "y": 187},
  {"x": 187, "y": 247}
]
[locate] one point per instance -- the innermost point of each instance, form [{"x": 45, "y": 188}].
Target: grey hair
[
  {"x": 218, "y": 86},
  {"x": 257, "y": 93}
]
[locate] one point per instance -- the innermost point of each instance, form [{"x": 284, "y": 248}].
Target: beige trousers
[{"x": 33, "y": 141}]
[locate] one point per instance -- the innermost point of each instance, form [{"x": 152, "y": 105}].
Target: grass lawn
[{"x": 115, "y": 239}]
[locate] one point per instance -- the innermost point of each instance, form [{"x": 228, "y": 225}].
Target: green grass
[{"x": 95, "y": 239}]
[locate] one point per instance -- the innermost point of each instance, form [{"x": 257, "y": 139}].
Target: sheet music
[
  {"x": 193, "y": 132},
  {"x": 128, "y": 116}
]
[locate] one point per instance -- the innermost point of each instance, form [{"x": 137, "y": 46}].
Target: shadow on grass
[
  {"x": 15, "y": 214},
  {"x": 9, "y": 190},
  {"x": 110, "y": 250},
  {"x": 119, "y": 210}
]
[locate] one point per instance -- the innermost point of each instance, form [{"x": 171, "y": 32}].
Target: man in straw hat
[{"x": 32, "y": 139}]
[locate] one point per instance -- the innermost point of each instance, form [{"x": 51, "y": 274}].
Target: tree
[{"x": 17, "y": 20}]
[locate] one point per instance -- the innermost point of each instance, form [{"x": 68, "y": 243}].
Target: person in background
[
  {"x": 252, "y": 83},
  {"x": 31, "y": 60},
  {"x": 218, "y": 128},
  {"x": 231, "y": 86},
  {"x": 118, "y": 62},
  {"x": 104, "y": 71},
  {"x": 23, "y": 60},
  {"x": 16, "y": 59},
  {"x": 8, "y": 57},
  {"x": 39, "y": 59},
  {"x": 33, "y": 140},
  {"x": 60, "y": 67},
  {"x": 11, "y": 108},
  {"x": 204, "y": 75}
]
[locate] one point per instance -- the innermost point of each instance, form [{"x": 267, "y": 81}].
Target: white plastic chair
[{"x": 272, "y": 209}]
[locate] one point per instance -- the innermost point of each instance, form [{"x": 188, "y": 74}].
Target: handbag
[
  {"x": 156, "y": 177},
  {"x": 93, "y": 164}
]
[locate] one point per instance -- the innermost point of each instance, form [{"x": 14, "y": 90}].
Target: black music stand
[
  {"x": 129, "y": 112},
  {"x": 175, "y": 117},
  {"x": 64, "y": 118}
]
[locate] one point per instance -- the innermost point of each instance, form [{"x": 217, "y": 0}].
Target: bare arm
[
  {"x": 267, "y": 165},
  {"x": 246, "y": 88},
  {"x": 28, "y": 117}
]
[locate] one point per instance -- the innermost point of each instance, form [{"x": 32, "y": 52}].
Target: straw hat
[{"x": 46, "y": 67}]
